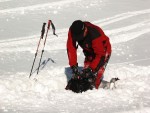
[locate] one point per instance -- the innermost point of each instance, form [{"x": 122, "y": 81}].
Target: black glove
[
  {"x": 89, "y": 75},
  {"x": 87, "y": 72},
  {"x": 75, "y": 69}
]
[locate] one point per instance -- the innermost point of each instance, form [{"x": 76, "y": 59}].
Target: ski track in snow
[
  {"x": 46, "y": 93},
  {"x": 37, "y": 7},
  {"x": 121, "y": 17},
  {"x": 118, "y": 35}
]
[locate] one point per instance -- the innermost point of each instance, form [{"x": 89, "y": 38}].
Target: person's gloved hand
[
  {"x": 89, "y": 75},
  {"x": 75, "y": 69},
  {"x": 75, "y": 72},
  {"x": 87, "y": 72}
]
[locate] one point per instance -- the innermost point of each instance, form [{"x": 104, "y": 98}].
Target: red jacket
[{"x": 96, "y": 44}]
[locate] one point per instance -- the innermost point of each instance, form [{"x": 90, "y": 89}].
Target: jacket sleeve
[
  {"x": 99, "y": 51},
  {"x": 108, "y": 47},
  {"x": 71, "y": 50}
]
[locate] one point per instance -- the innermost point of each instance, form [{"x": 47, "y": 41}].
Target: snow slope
[{"x": 127, "y": 24}]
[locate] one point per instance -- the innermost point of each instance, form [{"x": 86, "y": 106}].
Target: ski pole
[
  {"x": 48, "y": 27},
  {"x": 41, "y": 37}
]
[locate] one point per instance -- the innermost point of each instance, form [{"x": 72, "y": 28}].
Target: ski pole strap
[{"x": 53, "y": 28}]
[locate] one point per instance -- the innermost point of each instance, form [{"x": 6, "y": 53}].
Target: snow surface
[{"x": 126, "y": 22}]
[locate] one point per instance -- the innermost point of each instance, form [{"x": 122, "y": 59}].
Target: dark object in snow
[
  {"x": 105, "y": 84},
  {"x": 113, "y": 80},
  {"x": 80, "y": 83}
]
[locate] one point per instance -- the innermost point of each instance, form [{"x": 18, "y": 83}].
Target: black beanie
[{"x": 77, "y": 29}]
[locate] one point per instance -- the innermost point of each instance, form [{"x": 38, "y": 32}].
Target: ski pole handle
[
  {"x": 43, "y": 30},
  {"x": 49, "y": 22}
]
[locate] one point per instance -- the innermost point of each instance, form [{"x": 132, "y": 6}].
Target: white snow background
[{"x": 126, "y": 22}]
